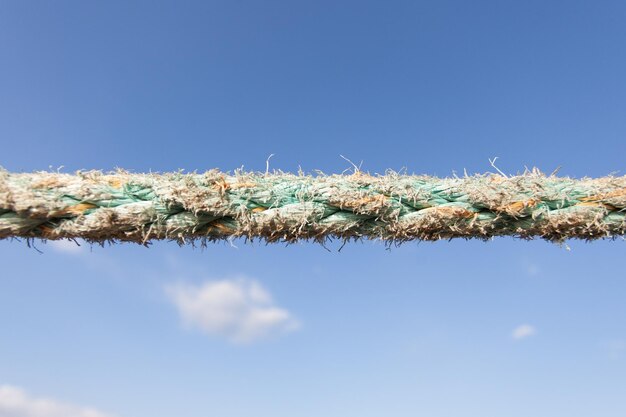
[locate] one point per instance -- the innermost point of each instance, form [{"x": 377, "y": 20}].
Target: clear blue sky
[{"x": 504, "y": 328}]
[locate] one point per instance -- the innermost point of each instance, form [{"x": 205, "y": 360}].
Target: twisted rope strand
[{"x": 214, "y": 205}]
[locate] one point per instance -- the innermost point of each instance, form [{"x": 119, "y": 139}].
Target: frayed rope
[{"x": 212, "y": 206}]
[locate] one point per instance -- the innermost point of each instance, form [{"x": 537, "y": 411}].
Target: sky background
[{"x": 503, "y": 328}]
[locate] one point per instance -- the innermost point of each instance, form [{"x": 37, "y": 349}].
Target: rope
[{"x": 277, "y": 206}]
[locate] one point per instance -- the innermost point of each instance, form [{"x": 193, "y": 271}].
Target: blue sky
[{"x": 504, "y": 328}]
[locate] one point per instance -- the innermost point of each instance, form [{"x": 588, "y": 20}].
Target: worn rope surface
[{"x": 282, "y": 207}]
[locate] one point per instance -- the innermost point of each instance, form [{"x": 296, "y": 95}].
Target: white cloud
[
  {"x": 66, "y": 246},
  {"x": 523, "y": 331},
  {"x": 15, "y": 402},
  {"x": 240, "y": 310}
]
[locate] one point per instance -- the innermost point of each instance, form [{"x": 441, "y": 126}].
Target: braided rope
[{"x": 283, "y": 207}]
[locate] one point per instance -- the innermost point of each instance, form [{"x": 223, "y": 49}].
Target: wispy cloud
[
  {"x": 66, "y": 246},
  {"x": 523, "y": 331},
  {"x": 532, "y": 270},
  {"x": 616, "y": 349},
  {"x": 15, "y": 402},
  {"x": 240, "y": 310}
]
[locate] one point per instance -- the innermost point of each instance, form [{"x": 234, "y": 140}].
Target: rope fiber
[{"x": 121, "y": 206}]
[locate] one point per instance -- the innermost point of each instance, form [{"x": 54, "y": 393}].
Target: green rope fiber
[{"x": 276, "y": 206}]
